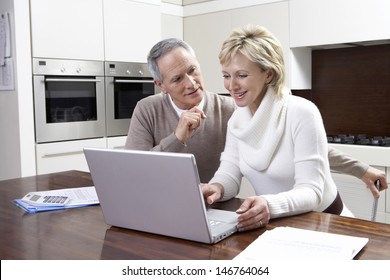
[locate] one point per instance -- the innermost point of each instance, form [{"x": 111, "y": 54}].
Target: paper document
[
  {"x": 287, "y": 243},
  {"x": 78, "y": 197},
  {"x": 5, "y": 37}
]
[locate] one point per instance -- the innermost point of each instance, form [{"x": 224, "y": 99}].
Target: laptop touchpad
[{"x": 222, "y": 215}]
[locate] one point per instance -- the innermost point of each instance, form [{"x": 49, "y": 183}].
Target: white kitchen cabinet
[
  {"x": 131, "y": 28},
  {"x": 388, "y": 196},
  {"x": 300, "y": 68},
  {"x": 206, "y": 33},
  {"x": 62, "y": 156},
  {"x": 354, "y": 191},
  {"x": 116, "y": 142},
  {"x": 67, "y": 29},
  {"x": 358, "y": 198},
  {"x": 318, "y": 22}
]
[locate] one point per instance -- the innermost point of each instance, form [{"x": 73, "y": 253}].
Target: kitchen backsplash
[{"x": 351, "y": 87}]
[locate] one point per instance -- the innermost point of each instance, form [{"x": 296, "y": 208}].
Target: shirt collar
[{"x": 180, "y": 111}]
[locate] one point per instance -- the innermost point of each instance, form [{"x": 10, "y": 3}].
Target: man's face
[{"x": 182, "y": 78}]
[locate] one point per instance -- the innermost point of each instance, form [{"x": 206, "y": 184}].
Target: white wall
[
  {"x": 207, "y": 31},
  {"x": 171, "y": 21},
  {"x": 9, "y": 132},
  {"x": 16, "y": 106}
]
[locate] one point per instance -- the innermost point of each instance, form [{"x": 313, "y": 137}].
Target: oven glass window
[
  {"x": 70, "y": 101},
  {"x": 126, "y": 96}
]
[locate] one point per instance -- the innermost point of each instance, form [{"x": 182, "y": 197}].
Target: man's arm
[
  {"x": 150, "y": 130},
  {"x": 141, "y": 135},
  {"x": 343, "y": 163}
]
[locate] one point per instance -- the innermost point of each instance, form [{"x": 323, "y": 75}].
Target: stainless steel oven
[
  {"x": 126, "y": 83},
  {"x": 68, "y": 99}
]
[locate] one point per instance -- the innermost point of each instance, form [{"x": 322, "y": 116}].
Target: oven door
[
  {"x": 122, "y": 95},
  {"x": 69, "y": 108}
]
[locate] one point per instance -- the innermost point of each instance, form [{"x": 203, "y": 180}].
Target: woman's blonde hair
[{"x": 260, "y": 46}]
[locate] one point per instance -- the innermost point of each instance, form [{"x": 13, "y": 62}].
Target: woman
[{"x": 276, "y": 140}]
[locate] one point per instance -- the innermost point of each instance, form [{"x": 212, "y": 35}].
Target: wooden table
[{"x": 81, "y": 233}]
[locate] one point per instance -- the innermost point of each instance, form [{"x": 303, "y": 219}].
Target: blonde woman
[{"x": 276, "y": 140}]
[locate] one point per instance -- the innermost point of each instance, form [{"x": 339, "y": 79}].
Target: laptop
[{"x": 156, "y": 192}]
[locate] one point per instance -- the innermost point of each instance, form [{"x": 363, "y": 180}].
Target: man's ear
[{"x": 160, "y": 86}]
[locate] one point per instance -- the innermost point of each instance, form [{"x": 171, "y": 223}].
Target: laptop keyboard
[{"x": 214, "y": 223}]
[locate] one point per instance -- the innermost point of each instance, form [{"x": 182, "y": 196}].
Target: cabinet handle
[
  {"x": 62, "y": 154},
  {"x": 134, "y": 81},
  {"x": 118, "y": 147},
  {"x": 72, "y": 80}
]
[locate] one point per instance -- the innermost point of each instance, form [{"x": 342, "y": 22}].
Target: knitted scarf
[{"x": 258, "y": 135}]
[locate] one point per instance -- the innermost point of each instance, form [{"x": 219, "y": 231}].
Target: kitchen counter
[{"x": 372, "y": 155}]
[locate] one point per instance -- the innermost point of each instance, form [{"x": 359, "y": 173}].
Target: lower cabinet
[
  {"x": 63, "y": 156},
  {"x": 358, "y": 198},
  {"x": 116, "y": 142},
  {"x": 69, "y": 155},
  {"x": 355, "y": 194}
]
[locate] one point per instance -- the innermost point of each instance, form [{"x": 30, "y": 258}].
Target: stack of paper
[
  {"x": 286, "y": 243},
  {"x": 78, "y": 197}
]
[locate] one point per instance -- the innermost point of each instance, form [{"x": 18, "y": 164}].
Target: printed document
[
  {"x": 287, "y": 243},
  {"x": 78, "y": 197}
]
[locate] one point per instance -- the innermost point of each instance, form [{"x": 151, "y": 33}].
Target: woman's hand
[
  {"x": 212, "y": 192},
  {"x": 253, "y": 213}
]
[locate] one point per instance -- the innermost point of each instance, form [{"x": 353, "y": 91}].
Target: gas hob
[{"x": 361, "y": 139}]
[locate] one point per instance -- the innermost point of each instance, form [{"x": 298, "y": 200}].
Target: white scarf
[{"x": 259, "y": 134}]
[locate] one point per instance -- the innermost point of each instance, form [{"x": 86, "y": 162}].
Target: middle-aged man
[{"x": 186, "y": 118}]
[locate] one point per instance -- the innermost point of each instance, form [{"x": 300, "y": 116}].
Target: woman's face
[{"x": 245, "y": 81}]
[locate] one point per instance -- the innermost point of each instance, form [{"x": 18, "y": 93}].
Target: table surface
[{"x": 81, "y": 233}]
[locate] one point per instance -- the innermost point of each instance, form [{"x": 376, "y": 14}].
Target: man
[{"x": 186, "y": 118}]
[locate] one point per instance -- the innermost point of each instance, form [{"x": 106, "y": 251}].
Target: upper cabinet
[
  {"x": 67, "y": 29},
  {"x": 318, "y": 22},
  {"x": 112, "y": 30},
  {"x": 131, "y": 28}
]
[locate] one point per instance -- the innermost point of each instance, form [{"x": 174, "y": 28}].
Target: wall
[
  {"x": 16, "y": 109},
  {"x": 171, "y": 21},
  {"x": 351, "y": 87},
  {"x": 9, "y": 111},
  {"x": 206, "y": 31}
]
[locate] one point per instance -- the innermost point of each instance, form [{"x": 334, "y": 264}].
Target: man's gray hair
[{"x": 161, "y": 48}]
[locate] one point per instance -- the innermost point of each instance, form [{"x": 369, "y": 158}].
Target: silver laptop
[{"x": 156, "y": 192}]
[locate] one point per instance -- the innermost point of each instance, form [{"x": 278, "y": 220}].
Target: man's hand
[
  {"x": 372, "y": 174},
  {"x": 188, "y": 123}
]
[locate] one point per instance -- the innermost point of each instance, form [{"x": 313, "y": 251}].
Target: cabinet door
[
  {"x": 358, "y": 198},
  {"x": 130, "y": 29},
  {"x": 63, "y": 156},
  {"x": 116, "y": 142},
  {"x": 67, "y": 29},
  {"x": 388, "y": 192},
  {"x": 318, "y": 22}
]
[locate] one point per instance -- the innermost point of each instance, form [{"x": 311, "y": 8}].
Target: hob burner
[{"x": 360, "y": 139}]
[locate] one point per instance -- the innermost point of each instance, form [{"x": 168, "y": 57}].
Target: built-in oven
[
  {"x": 126, "y": 83},
  {"x": 68, "y": 99}
]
